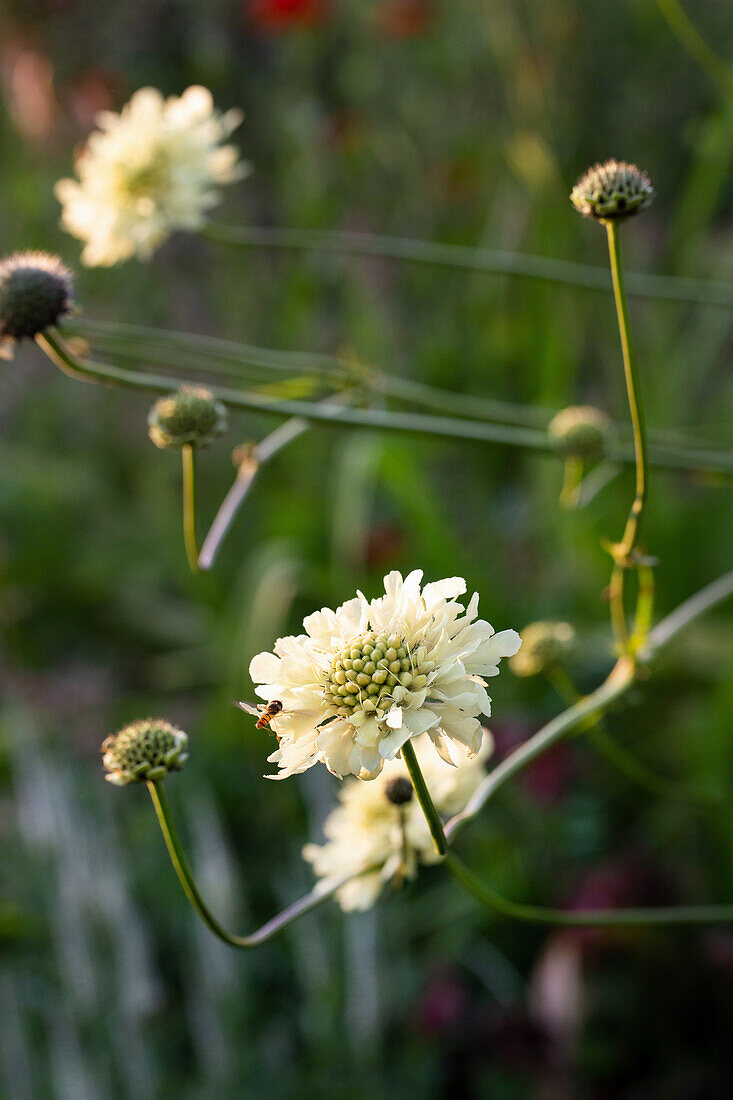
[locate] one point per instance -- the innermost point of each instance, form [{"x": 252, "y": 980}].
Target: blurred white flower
[
  {"x": 368, "y": 829},
  {"x": 153, "y": 168},
  {"x": 369, "y": 676}
]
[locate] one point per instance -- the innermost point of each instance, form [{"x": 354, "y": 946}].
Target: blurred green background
[{"x": 465, "y": 122}]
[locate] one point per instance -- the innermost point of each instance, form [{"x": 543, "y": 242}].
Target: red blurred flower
[
  {"x": 280, "y": 15},
  {"x": 405, "y": 18}
]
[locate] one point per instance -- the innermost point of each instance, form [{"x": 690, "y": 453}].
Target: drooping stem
[
  {"x": 584, "y": 918},
  {"x": 191, "y": 890},
  {"x": 369, "y": 418},
  {"x": 423, "y": 796},
  {"x": 189, "y": 507}
]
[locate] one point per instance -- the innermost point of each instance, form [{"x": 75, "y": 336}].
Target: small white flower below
[
  {"x": 368, "y": 677},
  {"x": 367, "y": 829},
  {"x": 153, "y": 168}
]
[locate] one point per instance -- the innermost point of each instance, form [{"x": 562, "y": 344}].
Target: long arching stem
[
  {"x": 191, "y": 890},
  {"x": 584, "y": 918}
]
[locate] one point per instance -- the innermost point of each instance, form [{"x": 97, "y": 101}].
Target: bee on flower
[
  {"x": 373, "y": 674},
  {"x": 151, "y": 169},
  {"x": 381, "y": 826}
]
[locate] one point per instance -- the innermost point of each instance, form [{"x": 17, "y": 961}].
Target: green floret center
[{"x": 373, "y": 672}]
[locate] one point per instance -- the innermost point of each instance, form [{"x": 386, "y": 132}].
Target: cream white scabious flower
[
  {"x": 368, "y": 829},
  {"x": 366, "y": 678},
  {"x": 153, "y": 168}
]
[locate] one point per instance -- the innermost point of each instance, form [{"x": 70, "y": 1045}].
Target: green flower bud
[
  {"x": 144, "y": 751},
  {"x": 191, "y": 415},
  {"x": 612, "y": 191},
  {"x": 398, "y": 791},
  {"x": 580, "y": 430},
  {"x": 36, "y": 290},
  {"x": 544, "y": 645}
]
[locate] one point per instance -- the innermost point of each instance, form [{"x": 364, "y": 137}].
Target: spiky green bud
[
  {"x": 612, "y": 191},
  {"x": 36, "y": 291},
  {"x": 544, "y": 646},
  {"x": 144, "y": 751},
  {"x": 191, "y": 415},
  {"x": 580, "y": 430}
]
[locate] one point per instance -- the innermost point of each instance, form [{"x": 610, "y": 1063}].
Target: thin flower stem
[
  {"x": 571, "y": 481},
  {"x": 186, "y": 350},
  {"x": 423, "y": 796},
  {"x": 616, "y": 684},
  {"x": 692, "y": 41},
  {"x": 636, "y": 408},
  {"x": 441, "y": 427},
  {"x": 185, "y": 877},
  {"x": 623, "y": 550},
  {"x": 584, "y": 918},
  {"x": 189, "y": 507},
  {"x": 616, "y": 607},
  {"x": 466, "y": 257},
  {"x": 644, "y": 614},
  {"x": 266, "y": 449}
]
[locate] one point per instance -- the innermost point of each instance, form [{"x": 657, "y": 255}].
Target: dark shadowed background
[{"x": 465, "y": 122}]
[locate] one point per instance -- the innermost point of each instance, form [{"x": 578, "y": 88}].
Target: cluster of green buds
[
  {"x": 612, "y": 191},
  {"x": 190, "y": 416},
  {"x": 144, "y": 751},
  {"x": 36, "y": 291},
  {"x": 376, "y": 671},
  {"x": 580, "y": 431},
  {"x": 545, "y": 645}
]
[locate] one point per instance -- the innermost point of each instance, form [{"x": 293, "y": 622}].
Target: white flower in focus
[
  {"x": 366, "y": 678},
  {"x": 153, "y": 168},
  {"x": 368, "y": 829}
]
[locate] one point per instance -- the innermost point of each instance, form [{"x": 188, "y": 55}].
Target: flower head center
[
  {"x": 148, "y": 180},
  {"x": 375, "y": 672}
]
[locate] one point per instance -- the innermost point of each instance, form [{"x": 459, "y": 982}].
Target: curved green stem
[
  {"x": 623, "y": 550},
  {"x": 191, "y": 890},
  {"x": 636, "y": 408},
  {"x": 423, "y": 796},
  {"x": 187, "y": 351},
  {"x": 439, "y": 427},
  {"x": 584, "y": 918},
  {"x": 468, "y": 258},
  {"x": 189, "y": 507}
]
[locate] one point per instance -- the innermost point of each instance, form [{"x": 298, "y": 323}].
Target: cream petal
[
  {"x": 447, "y": 589},
  {"x": 394, "y": 718},
  {"x": 264, "y": 668}
]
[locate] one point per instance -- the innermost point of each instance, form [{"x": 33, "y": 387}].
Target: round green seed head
[
  {"x": 580, "y": 430},
  {"x": 545, "y": 645},
  {"x": 36, "y": 291},
  {"x": 144, "y": 751},
  {"x": 612, "y": 191},
  {"x": 191, "y": 415}
]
